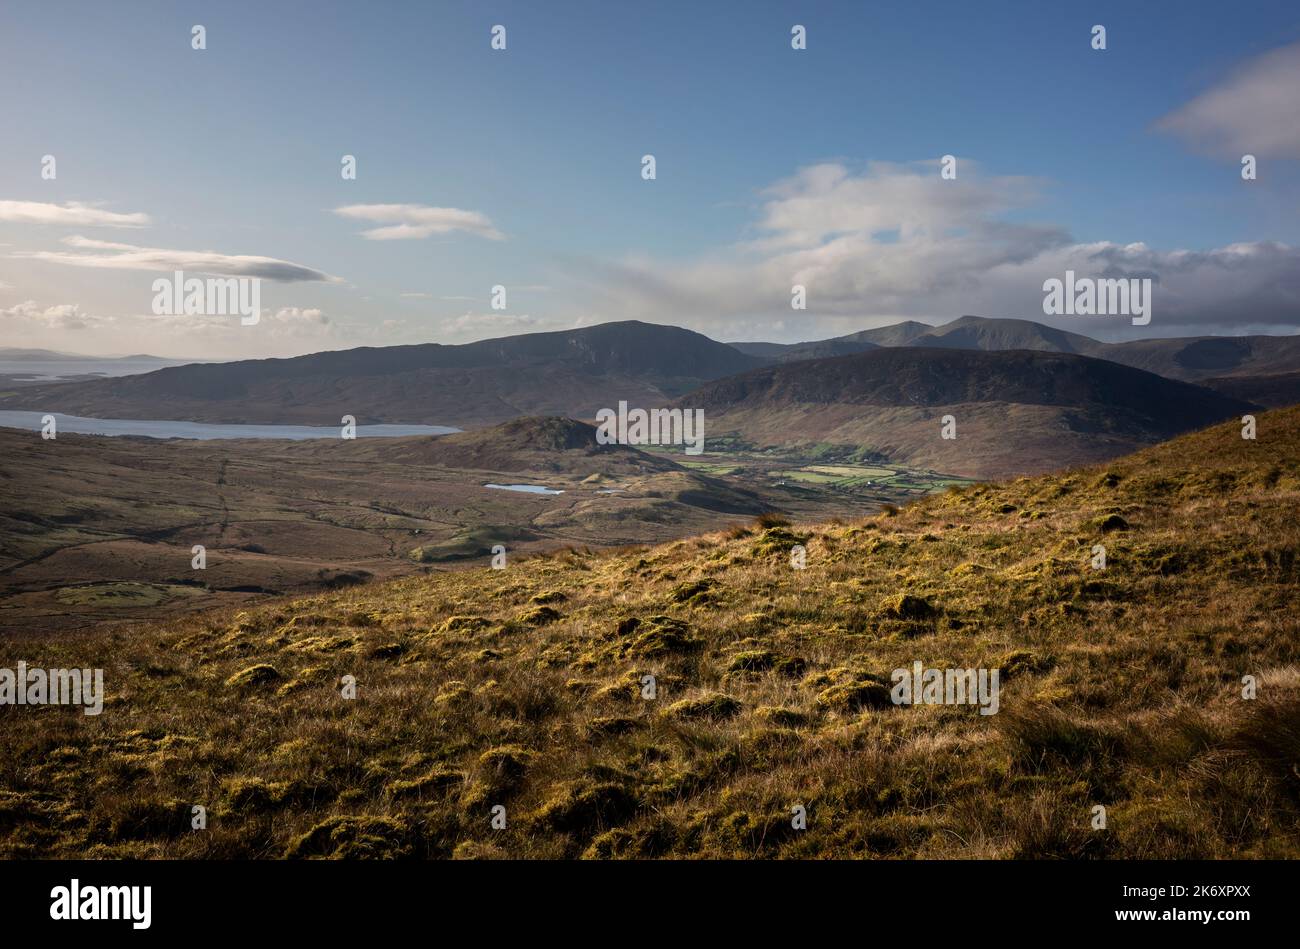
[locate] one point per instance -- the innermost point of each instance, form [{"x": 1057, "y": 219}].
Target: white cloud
[
  {"x": 898, "y": 242},
  {"x": 292, "y": 315},
  {"x": 471, "y": 325},
  {"x": 416, "y": 221},
  {"x": 71, "y": 214},
  {"x": 1251, "y": 112},
  {"x": 65, "y": 316},
  {"x": 115, "y": 256},
  {"x": 283, "y": 331}
]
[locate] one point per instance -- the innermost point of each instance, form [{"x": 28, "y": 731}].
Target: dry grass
[{"x": 524, "y": 688}]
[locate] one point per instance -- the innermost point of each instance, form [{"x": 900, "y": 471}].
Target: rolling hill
[
  {"x": 1016, "y": 412},
  {"x": 526, "y": 445},
  {"x": 573, "y": 373},
  {"x": 1275, "y": 390},
  {"x": 102, "y": 528},
  {"x": 525, "y": 689}
]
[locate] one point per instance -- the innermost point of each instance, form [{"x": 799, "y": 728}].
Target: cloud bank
[{"x": 897, "y": 241}]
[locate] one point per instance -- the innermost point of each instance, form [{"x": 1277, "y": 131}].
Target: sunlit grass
[{"x": 525, "y": 688}]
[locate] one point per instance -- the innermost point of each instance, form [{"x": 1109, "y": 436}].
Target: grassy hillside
[
  {"x": 1016, "y": 412},
  {"x": 102, "y": 528},
  {"x": 1275, "y": 390},
  {"x": 521, "y": 688}
]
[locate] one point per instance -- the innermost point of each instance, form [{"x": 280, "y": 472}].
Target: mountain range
[
  {"x": 1189, "y": 358},
  {"x": 1027, "y": 396},
  {"x": 573, "y": 373},
  {"x": 1012, "y": 412}
]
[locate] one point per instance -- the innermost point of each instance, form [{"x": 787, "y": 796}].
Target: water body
[
  {"x": 528, "y": 488},
  {"x": 52, "y": 370},
  {"x": 158, "y": 428}
]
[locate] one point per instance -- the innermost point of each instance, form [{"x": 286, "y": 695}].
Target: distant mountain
[
  {"x": 16, "y": 354},
  {"x": 898, "y": 334},
  {"x": 993, "y": 335},
  {"x": 1190, "y": 358},
  {"x": 1016, "y": 412},
  {"x": 1204, "y": 357},
  {"x": 573, "y": 373},
  {"x": 779, "y": 352}
]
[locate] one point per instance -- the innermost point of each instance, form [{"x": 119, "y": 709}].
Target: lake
[
  {"x": 158, "y": 428},
  {"x": 528, "y": 488}
]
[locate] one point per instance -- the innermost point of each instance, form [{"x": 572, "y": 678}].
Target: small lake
[
  {"x": 151, "y": 428},
  {"x": 528, "y": 488}
]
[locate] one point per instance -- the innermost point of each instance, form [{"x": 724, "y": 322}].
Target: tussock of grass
[{"x": 680, "y": 700}]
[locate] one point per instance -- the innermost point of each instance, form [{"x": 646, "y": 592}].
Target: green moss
[
  {"x": 539, "y": 616},
  {"x": 611, "y": 725},
  {"x": 662, "y": 636},
  {"x": 855, "y": 696},
  {"x": 715, "y": 706},
  {"x": 781, "y": 717},
  {"x": 694, "y": 592},
  {"x": 461, "y": 624}
]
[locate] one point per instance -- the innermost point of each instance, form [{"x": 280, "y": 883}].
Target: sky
[{"x": 523, "y": 167}]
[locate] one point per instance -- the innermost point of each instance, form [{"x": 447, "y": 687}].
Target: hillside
[
  {"x": 1016, "y": 412},
  {"x": 1204, "y": 357},
  {"x": 993, "y": 335},
  {"x": 1187, "y": 358},
  {"x": 102, "y": 529},
  {"x": 523, "y": 687},
  {"x": 537, "y": 445},
  {"x": 1275, "y": 391},
  {"x": 574, "y": 373},
  {"x": 896, "y": 334},
  {"x": 794, "y": 352}
]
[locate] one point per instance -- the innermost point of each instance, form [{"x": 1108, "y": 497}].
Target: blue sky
[{"x": 236, "y": 150}]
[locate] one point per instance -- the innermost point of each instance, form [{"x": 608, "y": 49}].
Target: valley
[
  {"x": 102, "y": 529},
  {"x": 524, "y": 688}
]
